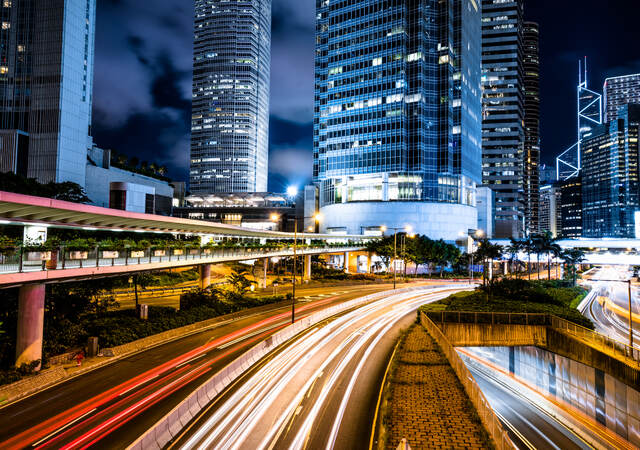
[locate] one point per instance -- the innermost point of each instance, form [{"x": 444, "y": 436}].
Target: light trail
[{"x": 281, "y": 404}]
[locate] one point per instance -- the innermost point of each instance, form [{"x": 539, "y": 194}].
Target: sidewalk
[{"x": 426, "y": 404}]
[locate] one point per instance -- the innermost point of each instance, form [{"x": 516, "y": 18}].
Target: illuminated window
[
  {"x": 4, "y": 70},
  {"x": 6, "y": 25}
]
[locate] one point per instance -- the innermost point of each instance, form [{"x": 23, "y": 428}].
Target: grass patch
[{"x": 518, "y": 296}]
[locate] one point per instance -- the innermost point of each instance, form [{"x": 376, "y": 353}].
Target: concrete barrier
[{"x": 166, "y": 428}]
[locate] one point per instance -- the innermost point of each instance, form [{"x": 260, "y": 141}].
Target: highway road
[
  {"x": 320, "y": 390},
  {"x": 613, "y": 323},
  {"x": 111, "y": 406}
]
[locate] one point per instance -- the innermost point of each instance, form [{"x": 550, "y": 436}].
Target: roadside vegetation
[{"x": 518, "y": 296}]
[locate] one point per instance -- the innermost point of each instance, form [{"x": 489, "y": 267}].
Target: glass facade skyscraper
[
  {"x": 503, "y": 112},
  {"x": 619, "y": 91},
  {"x": 46, "y": 68},
  {"x": 397, "y": 114},
  {"x": 230, "y": 106},
  {"x": 531, "y": 80},
  {"x": 610, "y": 188}
]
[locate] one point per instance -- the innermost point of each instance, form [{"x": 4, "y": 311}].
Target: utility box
[
  {"x": 143, "y": 311},
  {"x": 92, "y": 346}
]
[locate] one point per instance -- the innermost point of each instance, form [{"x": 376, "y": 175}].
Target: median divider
[{"x": 167, "y": 428}]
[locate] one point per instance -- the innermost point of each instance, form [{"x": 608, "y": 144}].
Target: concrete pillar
[
  {"x": 262, "y": 282},
  {"x": 205, "y": 275},
  {"x": 307, "y": 267},
  {"x": 369, "y": 262},
  {"x": 30, "y": 324},
  {"x": 506, "y": 267},
  {"x": 345, "y": 264}
]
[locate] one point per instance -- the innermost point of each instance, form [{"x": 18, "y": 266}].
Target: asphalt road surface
[
  {"x": 320, "y": 390},
  {"x": 111, "y": 406}
]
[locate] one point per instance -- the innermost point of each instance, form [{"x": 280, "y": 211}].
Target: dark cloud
[{"x": 143, "y": 75}]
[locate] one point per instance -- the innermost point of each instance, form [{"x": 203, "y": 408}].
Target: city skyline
[{"x": 133, "y": 43}]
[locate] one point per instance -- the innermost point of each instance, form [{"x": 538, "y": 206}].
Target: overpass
[{"x": 30, "y": 269}]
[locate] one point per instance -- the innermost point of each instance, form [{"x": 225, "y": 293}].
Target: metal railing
[
  {"x": 619, "y": 349},
  {"x": 489, "y": 419},
  {"x": 23, "y": 260}
]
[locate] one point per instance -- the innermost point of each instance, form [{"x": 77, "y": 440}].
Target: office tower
[
  {"x": 619, "y": 91},
  {"x": 531, "y": 70},
  {"x": 571, "y": 207},
  {"x": 397, "y": 115},
  {"x": 230, "y": 106},
  {"x": 550, "y": 218},
  {"x": 569, "y": 162},
  {"x": 46, "y": 57},
  {"x": 503, "y": 133},
  {"x": 610, "y": 177}
]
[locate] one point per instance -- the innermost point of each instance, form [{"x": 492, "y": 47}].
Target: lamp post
[
  {"x": 472, "y": 234},
  {"x": 317, "y": 218},
  {"x": 395, "y": 246}
]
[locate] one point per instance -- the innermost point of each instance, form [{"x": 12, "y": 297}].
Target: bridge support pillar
[
  {"x": 506, "y": 268},
  {"x": 205, "y": 275},
  {"x": 345, "y": 264},
  {"x": 307, "y": 267},
  {"x": 30, "y": 324},
  {"x": 369, "y": 262},
  {"x": 262, "y": 282}
]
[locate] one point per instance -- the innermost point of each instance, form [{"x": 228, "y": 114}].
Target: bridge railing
[
  {"x": 25, "y": 259},
  {"x": 612, "y": 346}
]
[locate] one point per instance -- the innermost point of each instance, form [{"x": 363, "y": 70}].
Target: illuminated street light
[
  {"x": 292, "y": 191},
  {"x": 274, "y": 217}
]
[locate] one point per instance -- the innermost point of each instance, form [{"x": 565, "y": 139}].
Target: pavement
[
  {"x": 111, "y": 406},
  {"x": 320, "y": 390}
]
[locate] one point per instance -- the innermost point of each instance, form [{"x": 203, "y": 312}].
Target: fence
[
  {"x": 485, "y": 411},
  {"x": 21, "y": 260}
]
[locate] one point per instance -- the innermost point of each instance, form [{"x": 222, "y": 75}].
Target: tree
[
  {"x": 134, "y": 161},
  {"x": 239, "y": 281},
  {"x": 528, "y": 246},
  {"x": 488, "y": 251},
  {"x": 514, "y": 249},
  {"x": 549, "y": 246},
  {"x": 142, "y": 280},
  {"x": 67, "y": 191},
  {"x": 572, "y": 257}
]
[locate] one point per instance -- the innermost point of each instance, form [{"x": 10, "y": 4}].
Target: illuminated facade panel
[{"x": 619, "y": 91}]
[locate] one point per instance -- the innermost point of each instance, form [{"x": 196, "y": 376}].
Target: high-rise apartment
[
  {"x": 230, "y": 106},
  {"x": 610, "y": 158},
  {"x": 503, "y": 130},
  {"x": 619, "y": 91},
  {"x": 531, "y": 79},
  {"x": 46, "y": 68},
  {"x": 550, "y": 218},
  {"x": 397, "y": 115}
]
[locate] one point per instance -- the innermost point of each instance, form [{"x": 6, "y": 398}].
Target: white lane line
[
  {"x": 46, "y": 438},
  {"x": 191, "y": 360}
]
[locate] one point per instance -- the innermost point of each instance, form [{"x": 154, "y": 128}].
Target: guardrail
[
  {"x": 170, "y": 426},
  {"x": 20, "y": 260},
  {"x": 617, "y": 348},
  {"x": 485, "y": 411}
]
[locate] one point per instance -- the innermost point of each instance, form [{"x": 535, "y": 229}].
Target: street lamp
[
  {"x": 472, "y": 235},
  {"x": 317, "y": 217},
  {"x": 407, "y": 229}
]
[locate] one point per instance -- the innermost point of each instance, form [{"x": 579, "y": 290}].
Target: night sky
[{"x": 142, "y": 84}]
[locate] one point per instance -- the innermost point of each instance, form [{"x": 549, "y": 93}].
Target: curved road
[
  {"x": 111, "y": 406},
  {"x": 319, "y": 391}
]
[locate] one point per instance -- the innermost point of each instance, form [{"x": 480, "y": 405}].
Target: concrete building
[
  {"x": 619, "y": 91},
  {"x": 263, "y": 211},
  {"x": 503, "y": 101},
  {"x": 112, "y": 187},
  {"x": 46, "y": 68},
  {"x": 550, "y": 210},
  {"x": 397, "y": 115},
  {"x": 610, "y": 158},
  {"x": 230, "y": 106}
]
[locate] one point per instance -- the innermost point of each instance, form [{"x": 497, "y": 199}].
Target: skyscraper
[
  {"x": 610, "y": 158},
  {"x": 230, "y": 106},
  {"x": 619, "y": 91},
  {"x": 503, "y": 133},
  {"x": 397, "y": 115},
  {"x": 46, "y": 68},
  {"x": 531, "y": 70}
]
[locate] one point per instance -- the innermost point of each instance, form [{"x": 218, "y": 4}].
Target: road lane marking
[{"x": 77, "y": 419}]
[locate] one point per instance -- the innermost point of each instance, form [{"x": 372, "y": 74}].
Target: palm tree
[
  {"x": 557, "y": 253},
  {"x": 528, "y": 247},
  {"x": 548, "y": 245},
  {"x": 572, "y": 257},
  {"x": 488, "y": 252},
  {"x": 513, "y": 249},
  {"x": 538, "y": 248}
]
